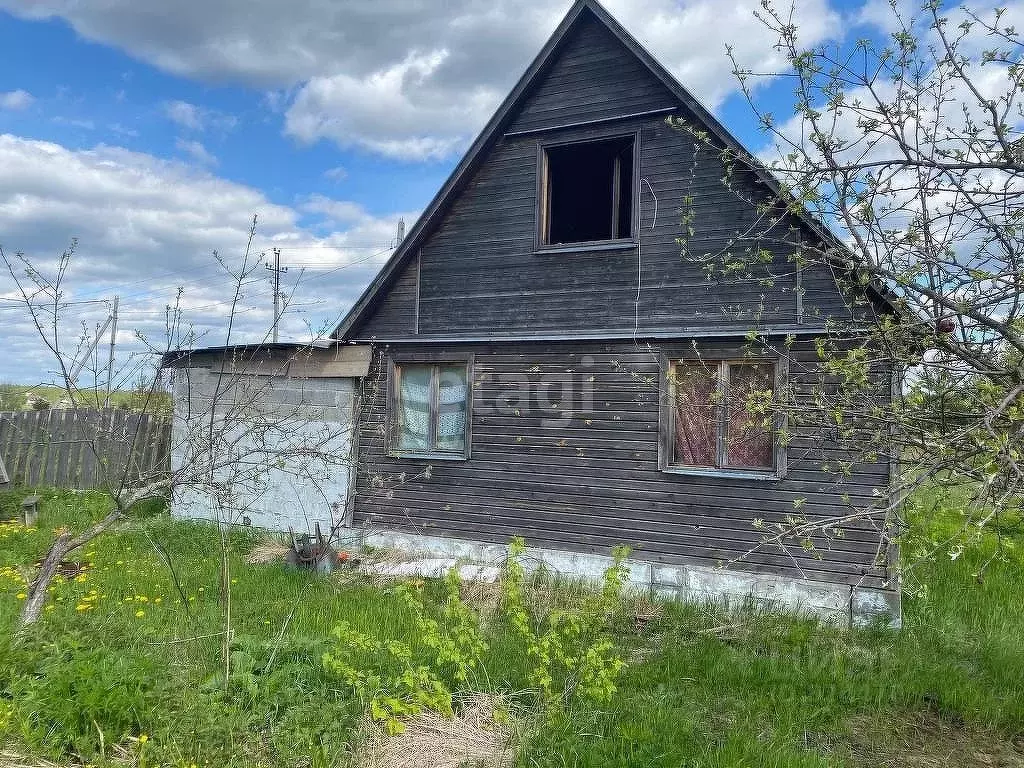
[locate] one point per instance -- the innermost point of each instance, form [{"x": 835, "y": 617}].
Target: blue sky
[{"x": 153, "y": 133}]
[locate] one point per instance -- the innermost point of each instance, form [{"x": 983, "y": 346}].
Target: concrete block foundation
[{"x": 838, "y": 604}]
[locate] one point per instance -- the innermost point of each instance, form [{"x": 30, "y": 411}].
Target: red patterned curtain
[
  {"x": 749, "y": 439},
  {"x": 696, "y": 416}
]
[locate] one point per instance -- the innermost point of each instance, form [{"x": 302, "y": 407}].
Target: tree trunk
[
  {"x": 33, "y": 607},
  {"x": 61, "y": 546}
]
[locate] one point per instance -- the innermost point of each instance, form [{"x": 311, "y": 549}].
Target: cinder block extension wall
[{"x": 284, "y": 398}]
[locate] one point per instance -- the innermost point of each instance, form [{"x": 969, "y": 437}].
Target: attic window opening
[{"x": 587, "y": 191}]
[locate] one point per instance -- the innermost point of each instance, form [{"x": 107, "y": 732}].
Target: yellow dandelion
[
  {"x": 21, "y": 596},
  {"x": 139, "y": 614},
  {"x": 143, "y": 738}
]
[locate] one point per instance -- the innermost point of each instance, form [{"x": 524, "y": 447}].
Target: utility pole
[
  {"x": 401, "y": 233},
  {"x": 113, "y": 342},
  {"x": 82, "y": 359},
  {"x": 278, "y": 270}
]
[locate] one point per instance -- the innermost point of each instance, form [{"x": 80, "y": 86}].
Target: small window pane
[
  {"x": 749, "y": 437},
  {"x": 414, "y": 407},
  {"x": 451, "y": 408},
  {"x": 696, "y": 414}
]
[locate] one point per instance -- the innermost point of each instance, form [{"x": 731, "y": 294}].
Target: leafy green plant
[
  {"x": 455, "y": 640},
  {"x": 571, "y": 654},
  {"x": 80, "y": 697},
  {"x": 396, "y": 679}
]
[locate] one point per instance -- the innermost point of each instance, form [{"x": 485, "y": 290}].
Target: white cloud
[
  {"x": 16, "y": 100},
  {"x": 335, "y": 211},
  {"x": 146, "y": 226},
  {"x": 195, "y": 118},
  {"x": 420, "y": 125},
  {"x": 75, "y": 122},
  {"x": 184, "y": 114},
  {"x": 196, "y": 151},
  {"x": 881, "y": 14},
  {"x": 689, "y": 38},
  {"x": 337, "y": 173},
  {"x": 409, "y": 79}
]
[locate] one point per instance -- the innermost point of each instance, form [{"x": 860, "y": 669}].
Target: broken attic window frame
[{"x": 587, "y": 191}]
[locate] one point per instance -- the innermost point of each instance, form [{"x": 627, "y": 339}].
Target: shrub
[
  {"x": 396, "y": 679},
  {"x": 572, "y": 658}
]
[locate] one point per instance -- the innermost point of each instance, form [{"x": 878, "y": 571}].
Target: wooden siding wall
[
  {"x": 583, "y": 475},
  {"x": 594, "y": 78},
  {"x": 478, "y": 273},
  {"x": 53, "y": 447}
]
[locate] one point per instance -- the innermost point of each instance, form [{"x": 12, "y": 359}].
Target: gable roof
[{"x": 493, "y": 131}]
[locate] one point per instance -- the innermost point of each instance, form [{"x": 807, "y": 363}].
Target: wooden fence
[{"x": 83, "y": 449}]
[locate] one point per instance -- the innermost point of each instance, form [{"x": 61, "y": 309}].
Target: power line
[{"x": 215, "y": 267}]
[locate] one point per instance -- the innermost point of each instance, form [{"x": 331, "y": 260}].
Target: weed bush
[
  {"x": 81, "y": 698},
  {"x": 396, "y": 679},
  {"x": 572, "y": 657}
]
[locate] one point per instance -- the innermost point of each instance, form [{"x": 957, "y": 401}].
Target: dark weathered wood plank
[{"x": 562, "y": 481}]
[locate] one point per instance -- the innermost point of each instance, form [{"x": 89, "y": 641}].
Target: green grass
[
  {"x": 701, "y": 688},
  {"x": 12, "y": 398}
]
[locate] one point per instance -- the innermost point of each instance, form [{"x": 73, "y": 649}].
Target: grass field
[
  {"x": 13, "y": 398},
  {"x": 125, "y": 666}
]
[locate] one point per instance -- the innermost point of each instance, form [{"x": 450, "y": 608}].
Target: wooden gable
[
  {"x": 593, "y": 78},
  {"x": 472, "y": 269}
]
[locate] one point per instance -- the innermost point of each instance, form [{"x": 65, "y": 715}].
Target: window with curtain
[
  {"x": 431, "y": 403},
  {"x": 722, "y": 415}
]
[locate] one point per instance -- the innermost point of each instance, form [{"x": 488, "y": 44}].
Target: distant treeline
[{"x": 22, "y": 397}]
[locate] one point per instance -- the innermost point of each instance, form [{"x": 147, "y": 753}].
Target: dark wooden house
[{"x": 533, "y": 331}]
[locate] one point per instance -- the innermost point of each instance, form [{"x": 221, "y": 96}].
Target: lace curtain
[
  {"x": 736, "y": 424},
  {"x": 424, "y": 425}
]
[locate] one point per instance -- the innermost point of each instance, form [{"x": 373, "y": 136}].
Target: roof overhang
[{"x": 297, "y": 361}]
